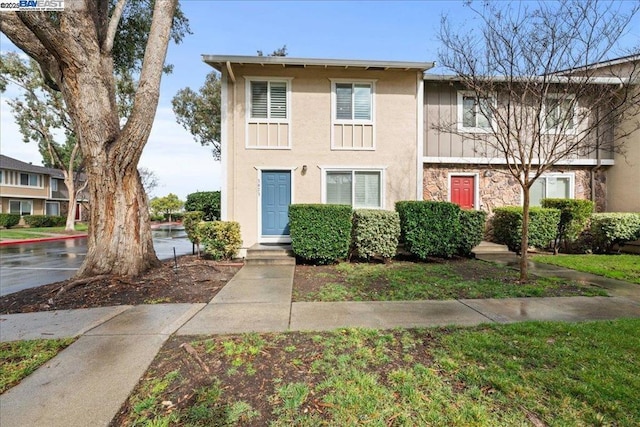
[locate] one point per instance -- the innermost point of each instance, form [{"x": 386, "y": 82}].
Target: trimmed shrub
[
  {"x": 430, "y": 228},
  {"x": 320, "y": 233},
  {"x": 574, "y": 217},
  {"x": 615, "y": 228},
  {"x": 221, "y": 239},
  {"x": 207, "y": 202},
  {"x": 8, "y": 220},
  {"x": 45, "y": 220},
  {"x": 190, "y": 223},
  {"x": 375, "y": 233},
  {"x": 471, "y": 230},
  {"x": 507, "y": 226}
]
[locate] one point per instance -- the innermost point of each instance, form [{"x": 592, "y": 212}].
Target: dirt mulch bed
[{"x": 196, "y": 280}]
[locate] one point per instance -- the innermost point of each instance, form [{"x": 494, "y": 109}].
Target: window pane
[
  {"x": 343, "y": 101},
  {"x": 558, "y": 188},
  {"x": 278, "y": 100},
  {"x": 536, "y": 193},
  {"x": 14, "y": 207},
  {"x": 26, "y": 208},
  {"x": 33, "y": 180},
  {"x": 259, "y": 100},
  {"x": 367, "y": 190},
  {"x": 362, "y": 102},
  {"x": 53, "y": 208},
  {"x": 24, "y": 179},
  {"x": 468, "y": 112},
  {"x": 339, "y": 188},
  {"x": 484, "y": 114}
]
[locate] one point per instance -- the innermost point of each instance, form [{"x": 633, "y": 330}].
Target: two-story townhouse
[
  {"x": 459, "y": 165},
  {"x": 316, "y": 131},
  {"x": 26, "y": 189}
]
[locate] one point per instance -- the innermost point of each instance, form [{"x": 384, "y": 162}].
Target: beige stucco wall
[
  {"x": 38, "y": 205},
  {"x": 395, "y": 115},
  {"x": 624, "y": 177}
]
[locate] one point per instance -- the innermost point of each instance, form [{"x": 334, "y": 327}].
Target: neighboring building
[
  {"x": 26, "y": 189},
  {"x": 316, "y": 131}
]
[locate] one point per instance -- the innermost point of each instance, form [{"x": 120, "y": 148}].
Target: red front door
[{"x": 463, "y": 191}]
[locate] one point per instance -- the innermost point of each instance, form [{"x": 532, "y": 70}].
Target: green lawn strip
[
  {"x": 20, "y": 358},
  {"x": 407, "y": 281},
  {"x": 37, "y": 232},
  {"x": 533, "y": 373},
  {"x": 621, "y": 266}
]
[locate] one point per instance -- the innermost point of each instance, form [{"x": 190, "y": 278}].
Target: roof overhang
[
  {"x": 527, "y": 79},
  {"x": 220, "y": 62}
]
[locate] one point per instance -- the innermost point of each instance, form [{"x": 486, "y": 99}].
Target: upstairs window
[
  {"x": 54, "y": 184},
  {"x": 30, "y": 180},
  {"x": 559, "y": 114},
  {"x": 353, "y": 101},
  {"x": 474, "y": 113},
  {"x": 269, "y": 100}
]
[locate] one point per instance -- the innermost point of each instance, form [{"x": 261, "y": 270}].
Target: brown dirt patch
[{"x": 195, "y": 281}]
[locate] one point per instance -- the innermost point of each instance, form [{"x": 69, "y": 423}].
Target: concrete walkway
[{"x": 87, "y": 383}]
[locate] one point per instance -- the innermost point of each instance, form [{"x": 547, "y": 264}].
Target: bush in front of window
[
  {"x": 574, "y": 218},
  {"x": 375, "y": 233},
  {"x": 8, "y": 220},
  {"x": 45, "y": 220},
  {"x": 221, "y": 239},
  {"x": 430, "y": 229},
  {"x": 614, "y": 228},
  {"x": 320, "y": 233},
  {"x": 507, "y": 226},
  {"x": 472, "y": 225},
  {"x": 190, "y": 223}
]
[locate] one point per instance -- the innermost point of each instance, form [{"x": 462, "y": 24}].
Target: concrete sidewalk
[{"x": 87, "y": 383}]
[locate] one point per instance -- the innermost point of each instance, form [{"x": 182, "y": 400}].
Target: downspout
[
  {"x": 420, "y": 137},
  {"x": 598, "y": 161}
]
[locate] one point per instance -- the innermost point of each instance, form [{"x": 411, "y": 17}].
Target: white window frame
[
  {"x": 21, "y": 201},
  {"x": 54, "y": 184},
  {"x": 574, "y": 122},
  {"x": 476, "y": 186},
  {"x": 252, "y": 120},
  {"x": 461, "y": 94},
  {"x": 353, "y": 169},
  {"x": 336, "y": 121},
  {"x": 545, "y": 176}
]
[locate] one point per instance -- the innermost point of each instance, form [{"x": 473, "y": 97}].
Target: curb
[{"x": 42, "y": 239}]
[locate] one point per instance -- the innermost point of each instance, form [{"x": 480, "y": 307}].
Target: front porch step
[
  {"x": 490, "y": 248},
  {"x": 261, "y": 254}
]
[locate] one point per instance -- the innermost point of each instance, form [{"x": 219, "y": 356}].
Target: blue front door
[{"x": 276, "y": 198}]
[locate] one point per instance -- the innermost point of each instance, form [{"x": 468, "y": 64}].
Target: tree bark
[{"x": 524, "y": 246}]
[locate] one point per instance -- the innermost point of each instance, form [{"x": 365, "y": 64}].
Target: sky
[{"x": 382, "y": 30}]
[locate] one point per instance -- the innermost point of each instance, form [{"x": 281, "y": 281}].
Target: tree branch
[{"x": 107, "y": 44}]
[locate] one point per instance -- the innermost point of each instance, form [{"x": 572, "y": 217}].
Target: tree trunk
[
  {"x": 117, "y": 201},
  {"x": 71, "y": 211},
  {"x": 524, "y": 246}
]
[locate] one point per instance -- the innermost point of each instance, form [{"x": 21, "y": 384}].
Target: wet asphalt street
[{"x": 28, "y": 265}]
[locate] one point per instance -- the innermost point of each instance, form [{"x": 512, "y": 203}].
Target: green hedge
[
  {"x": 430, "y": 228},
  {"x": 190, "y": 223},
  {"x": 320, "y": 233},
  {"x": 507, "y": 226},
  {"x": 8, "y": 220},
  {"x": 615, "y": 228},
  {"x": 221, "y": 239},
  {"x": 472, "y": 225},
  {"x": 574, "y": 218},
  {"x": 375, "y": 233},
  {"x": 44, "y": 220},
  {"x": 207, "y": 202}
]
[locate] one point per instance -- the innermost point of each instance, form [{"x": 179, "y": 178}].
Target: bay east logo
[{"x": 41, "y": 4}]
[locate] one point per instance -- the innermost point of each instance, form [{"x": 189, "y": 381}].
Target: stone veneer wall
[{"x": 498, "y": 188}]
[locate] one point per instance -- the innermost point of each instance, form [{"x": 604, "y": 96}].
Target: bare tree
[
  {"x": 75, "y": 52},
  {"x": 534, "y": 90}
]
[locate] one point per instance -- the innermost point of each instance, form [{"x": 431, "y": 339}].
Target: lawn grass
[
  {"x": 37, "y": 232},
  {"x": 407, "y": 281},
  {"x": 21, "y": 358},
  {"x": 621, "y": 266},
  {"x": 536, "y": 373}
]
